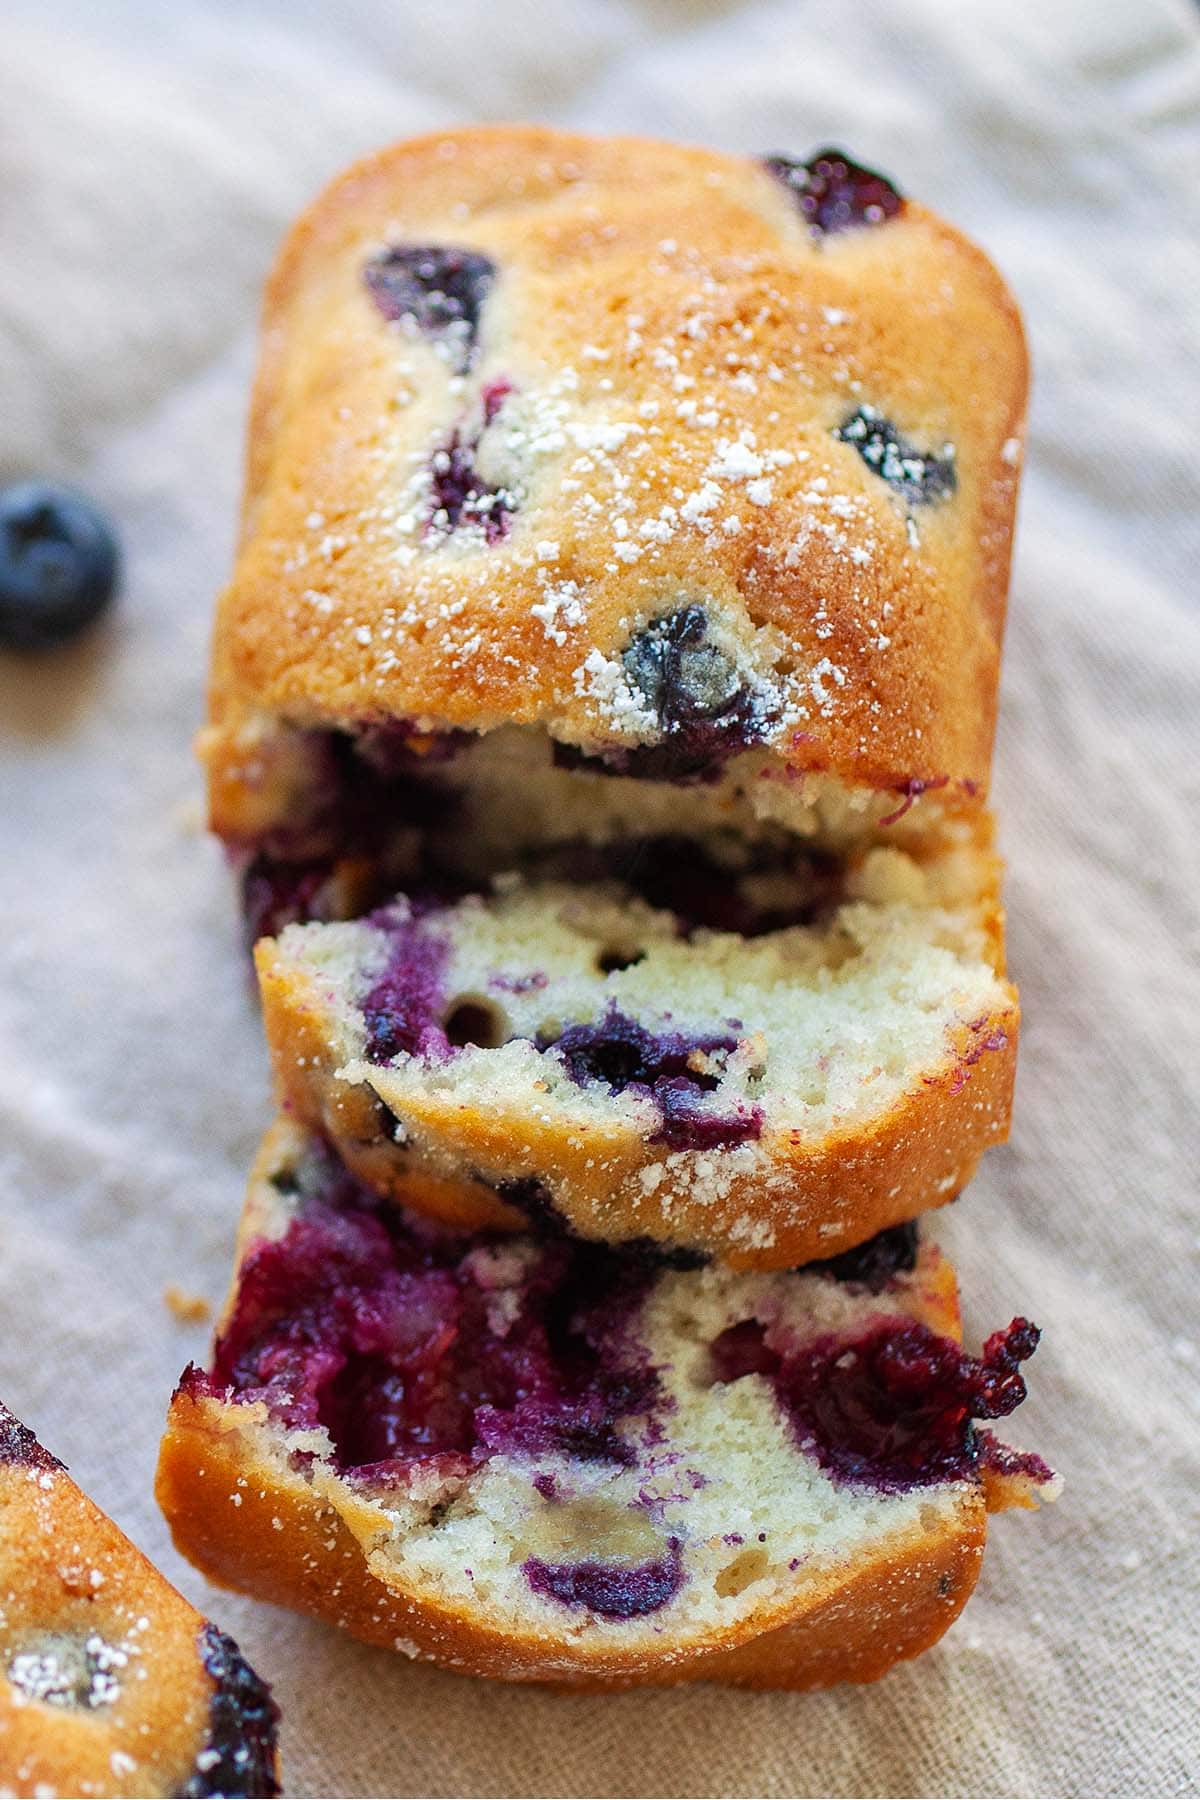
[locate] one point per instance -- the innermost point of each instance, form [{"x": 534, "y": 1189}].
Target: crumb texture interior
[
  {"x": 798, "y": 1029},
  {"x": 571, "y": 1439}
]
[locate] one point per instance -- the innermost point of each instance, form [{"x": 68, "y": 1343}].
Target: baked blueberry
[
  {"x": 919, "y": 476},
  {"x": 439, "y": 288},
  {"x": 835, "y": 194},
  {"x": 461, "y": 495},
  {"x": 893, "y": 1410},
  {"x": 58, "y": 565},
  {"x": 239, "y": 1753},
  {"x": 703, "y": 707},
  {"x": 685, "y": 679},
  {"x": 874, "y": 1264},
  {"x": 610, "y": 1590}
]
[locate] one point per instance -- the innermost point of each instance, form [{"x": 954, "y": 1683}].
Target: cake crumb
[{"x": 189, "y": 1309}]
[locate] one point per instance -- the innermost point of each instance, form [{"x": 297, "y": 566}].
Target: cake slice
[
  {"x": 110, "y": 1683},
  {"x": 543, "y": 1459},
  {"x": 749, "y": 1067}
]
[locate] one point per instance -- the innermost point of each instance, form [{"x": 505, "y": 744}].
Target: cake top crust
[{"x": 636, "y": 443}]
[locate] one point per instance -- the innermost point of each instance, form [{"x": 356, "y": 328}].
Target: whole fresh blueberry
[{"x": 58, "y": 565}]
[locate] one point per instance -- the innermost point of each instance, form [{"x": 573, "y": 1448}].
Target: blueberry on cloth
[{"x": 58, "y": 565}]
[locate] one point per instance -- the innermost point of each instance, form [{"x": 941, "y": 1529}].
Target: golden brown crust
[
  {"x": 654, "y": 304},
  {"x": 283, "y": 1544},
  {"x": 804, "y": 1199},
  {"x": 78, "y": 1600}
]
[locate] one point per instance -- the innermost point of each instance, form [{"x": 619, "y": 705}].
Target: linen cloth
[{"x": 150, "y": 157}]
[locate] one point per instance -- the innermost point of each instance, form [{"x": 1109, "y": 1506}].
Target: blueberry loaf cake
[
  {"x": 635, "y": 521},
  {"x": 543, "y": 1459},
  {"x": 110, "y": 1683}
]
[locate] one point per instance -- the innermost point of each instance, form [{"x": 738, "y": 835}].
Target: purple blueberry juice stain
[
  {"x": 919, "y": 476},
  {"x": 401, "y": 1009},
  {"x": 374, "y": 1324},
  {"x": 687, "y": 1125},
  {"x": 893, "y": 1409},
  {"x": 436, "y": 288},
  {"x": 460, "y": 495},
  {"x": 365, "y": 785},
  {"x": 834, "y": 193},
  {"x": 622, "y": 1054},
  {"x": 610, "y": 1590}
]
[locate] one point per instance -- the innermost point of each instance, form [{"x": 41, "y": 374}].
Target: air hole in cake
[
  {"x": 918, "y": 476},
  {"x": 437, "y": 290},
  {"x": 616, "y": 1533},
  {"x": 835, "y": 194},
  {"x": 609, "y": 961},
  {"x": 474, "y": 1020},
  {"x": 748, "y": 1567}
]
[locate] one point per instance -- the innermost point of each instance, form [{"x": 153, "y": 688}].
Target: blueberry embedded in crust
[
  {"x": 873, "y": 1265},
  {"x": 238, "y": 1758},
  {"x": 19, "y": 1445},
  {"x": 683, "y": 677},
  {"x": 919, "y": 476},
  {"x": 836, "y": 194},
  {"x": 700, "y": 701},
  {"x": 58, "y": 565},
  {"x": 460, "y": 493},
  {"x": 439, "y": 289}
]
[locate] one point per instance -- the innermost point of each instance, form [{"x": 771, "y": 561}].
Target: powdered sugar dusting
[{"x": 598, "y": 487}]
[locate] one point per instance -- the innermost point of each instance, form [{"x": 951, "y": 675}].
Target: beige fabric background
[{"x": 149, "y": 158}]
